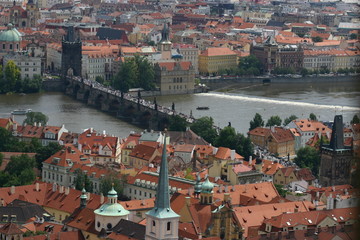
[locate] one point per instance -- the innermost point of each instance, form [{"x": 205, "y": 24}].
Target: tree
[
  {"x": 274, "y": 121},
  {"x": 355, "y": 120},
  {"x": 244, "y": 146},
  {"x": 289, "y": 119},
  {"x": 146, "y": 73},
  {"x": 1, "y": 158},
  {"x": 11, "y": 78},
  {"x": 317, "y": 39},
  {"x": 304, "y": 72},
  {"x": 204, "y": 128},
  {"x": 353, "y": 36},
  {"x": 32, "y": 85},
  {"x": 250, "y": 65},
  {"x": 282, "y": 192},
  {"x": 45, "y": 152},
  {"x": 177, "y": 123},
  {"x": 256, "y": 122},
  {"x": 82, "y": 181},
  {"x": 112, "y": 180},
  {"x": 312, "y": 117},
  {"x": 226, "y": 138},
  {"x": 126, "y": 78},
  {"x": 36, "y": 117},
  {"x": 308, "y": 157},
  {"x": 99, "y": 79},
  {"x": 19, "y": 171}
]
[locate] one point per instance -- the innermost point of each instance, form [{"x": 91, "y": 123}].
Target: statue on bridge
[
  {"x": 139, "y": 94},
  {"x": 173, "y": 106}
]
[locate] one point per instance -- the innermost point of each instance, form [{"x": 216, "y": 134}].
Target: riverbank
[{"x": 221, "y": 84}]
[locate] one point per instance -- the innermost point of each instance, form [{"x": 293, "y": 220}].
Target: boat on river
[
  {"x": 202, "y": 108},
  {"x": 21, "y": 111}
]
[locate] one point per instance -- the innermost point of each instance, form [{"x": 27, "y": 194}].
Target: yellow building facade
[{"x": 213, "y": 60}]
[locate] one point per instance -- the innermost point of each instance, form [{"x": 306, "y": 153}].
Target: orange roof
[
  {"x": 280, "y": 134},
  {"x": 171, "y": 65},
  {"x": 225, "y": 154},
  {"x": 220, "y": 51},
  {"x": 306, "y": 125},
  {"x": 67, "y": 156},
  {"x": 94, "y": 141},
  {"x": 253, "y": 216},
  {"x": 270, "y": 167},
  {"x": 259, "y": 131}
]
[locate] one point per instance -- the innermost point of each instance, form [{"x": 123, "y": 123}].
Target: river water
[{"x": 236, "y": 103}]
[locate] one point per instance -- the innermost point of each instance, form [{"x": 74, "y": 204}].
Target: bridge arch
[
  {"x": 114, "y": 106},
  {"x": 100, "y": 98},
  {"x": 77, "y": 88}
]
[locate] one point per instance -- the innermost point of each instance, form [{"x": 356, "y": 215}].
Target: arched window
[{"x": 109, "y": 226}]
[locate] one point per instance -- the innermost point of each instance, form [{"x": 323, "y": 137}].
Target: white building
[{"x": 29, "y": 66}]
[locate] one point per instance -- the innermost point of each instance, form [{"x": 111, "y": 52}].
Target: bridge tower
[{"x": 71, "y": 54}]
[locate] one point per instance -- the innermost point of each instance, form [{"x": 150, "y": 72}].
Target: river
[{"x": 236, "y": 103}]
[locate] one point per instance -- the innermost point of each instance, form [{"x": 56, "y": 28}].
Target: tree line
[{"x": 11, "y": 81}]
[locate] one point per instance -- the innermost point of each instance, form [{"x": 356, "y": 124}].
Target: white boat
[{"x": 21, "y": 111}]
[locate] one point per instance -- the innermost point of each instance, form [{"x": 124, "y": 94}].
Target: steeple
[
  {"x": 165, "y": 34},
  {"x": 162, "y": 222},
  {"x": 162, "y": 192}
]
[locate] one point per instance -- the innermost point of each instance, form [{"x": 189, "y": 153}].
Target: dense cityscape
[{"x": 293, "y": 174}]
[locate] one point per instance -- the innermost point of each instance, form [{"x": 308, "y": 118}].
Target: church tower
[
  {"x": 33, "y": 13},
  {"x": 165, "y": 45},
  {"x": 335, "y": 163},
  {"x": 162, "y": 223},
  {"x": 206, "y": 195},
  {"x": 71, "y": 54}
]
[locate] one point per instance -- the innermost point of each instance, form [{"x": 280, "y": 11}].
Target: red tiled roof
[
  {"x": 171, "y": 65},
  {"x": 220, "y": 51},
  {"x": 67, "y": 156}
]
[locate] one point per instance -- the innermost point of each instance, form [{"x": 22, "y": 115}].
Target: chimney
[
  {"x": 226, "y": 188},
  {"x": 232, "y": 154},
  {"x": 35, "y": 124},
  {"x": 39, "y": 124},
  {"x": 227, "y": 197},
  {"x": 61, "y": 189},
  {"x": 37, "y": 187},
  {"x": 187, "y": 201},
  {"x": 12, "y": 190},
  {"x": 333, "y": 188},
  {"x": 2, "y": 203},
  {"x": 54, "y": 187},
  {"x": 272, "y": 128},
  {"x": 317, "y": 195},
  {"x": 215, "y": 150},
  {"x": 250, "y": 160},
  {"x": 102, "y": 199},
  {"x": 67, "y": 190}
]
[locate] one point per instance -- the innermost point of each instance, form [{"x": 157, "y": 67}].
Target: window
[
  {"x": 98, "y": 224},
  {"x": 3, "y": 46},
  {"x": 11, "y": 46},
  {"x": 168, "y": 226},
  {"x": 109, "y": 226}
]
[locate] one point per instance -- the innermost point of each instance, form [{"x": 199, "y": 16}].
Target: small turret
[
  {"x": 198, "y": 186},
  {"x": 83, "y": 198}
]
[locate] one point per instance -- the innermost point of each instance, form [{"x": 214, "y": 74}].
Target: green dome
[
  {"x": 207, "y": 186},
  {"x": 10, "y": 35},
  {"x": 112, "y": 209},
  {"x": 83, "y": 195}
]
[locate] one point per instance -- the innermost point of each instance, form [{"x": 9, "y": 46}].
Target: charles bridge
[{"x": 133, "y": 109}]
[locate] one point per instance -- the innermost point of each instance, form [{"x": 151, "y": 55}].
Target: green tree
[
  {"x": 353, "y": 36},
  {"x": 317, "y": 39},
  {"x": 82, "y": 181},
  {"x": 273, "y": 121},
  {"x": 126, "y": 78},
  {"x": 250, "y": 65},
  {"x": 45, "y": 152},
  {"x": 355, "y": 119},
  {"x": 12, "y": 77},
  {"x": 20, "y": 170},
  {"x": 188, "y": 174},
  {"x": 289, "y": 119},
  {"x": 308, "y": 157},
  {"x": 313, "y": 117},
  {"x": 99, "y": 79},
  {"x": 282, "y": 192},
  {"x": 32, "y": 85},
  {"x": 244, "y": 146},
  {"x": 146, "y": 73},
  {"x": 226, "y": 138},
  {"x": 256, "y": 122},
  {"x": 177, "y": 123},
  {"x": 204, "y": 128},
  {"x": 112, "y": 180},
  {"x": 1, "y": 158},
  {"x": 304, "y": 72},
  {"x": 36, "y": 117}
]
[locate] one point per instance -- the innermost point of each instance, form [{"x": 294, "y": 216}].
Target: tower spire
[{"x": 162, "y": 192}]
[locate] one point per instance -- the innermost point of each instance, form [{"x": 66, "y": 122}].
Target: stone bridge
[{"x": 122, "y": 105}]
